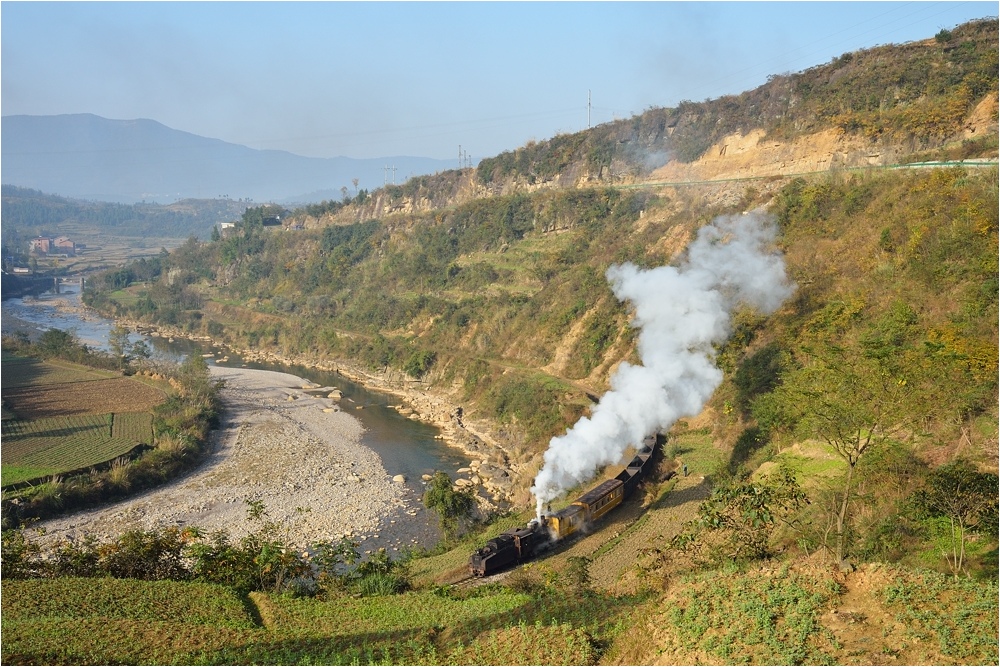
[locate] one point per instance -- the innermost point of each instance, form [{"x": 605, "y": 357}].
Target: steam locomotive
[{"x": 520, "y": 544}]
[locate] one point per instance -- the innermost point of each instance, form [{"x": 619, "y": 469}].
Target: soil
[{"x": 91, "y": 397}]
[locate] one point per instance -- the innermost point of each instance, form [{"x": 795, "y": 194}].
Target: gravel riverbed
[{"x": 281, "y": 441}]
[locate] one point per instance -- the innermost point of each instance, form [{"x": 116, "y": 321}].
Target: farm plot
[
  {"x": 81, "y": 398},
  {"x": 57, "y": 445},
  {"x": 25, "y": 372},
  {"x": 113, "y": 621}
]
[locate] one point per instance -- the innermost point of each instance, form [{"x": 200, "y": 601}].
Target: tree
[
  {"x": 451, "y": 505},
  {"x": 851, "y": 401},
  {"x": 739, "y": 519},
  {"x": 419, "y": 363},
  {"x": 124, "y": 350},
  {"x": 58, "y": 343},
  {"x": 966, "y": 497}
]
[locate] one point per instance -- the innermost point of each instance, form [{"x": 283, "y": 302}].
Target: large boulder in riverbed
[{"x": 492, "y": 471}]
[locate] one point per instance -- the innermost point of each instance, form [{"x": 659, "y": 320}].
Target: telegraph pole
[{"x": 588, "y": 109}]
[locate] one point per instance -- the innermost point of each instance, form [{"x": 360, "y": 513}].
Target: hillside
[
  {"x": 932, "y": 99},
  {"x": 129, "y": 161},
  {"x": 834, "y": 499},
  {"x": 32, "y": 213},
  {"x": 499, "y": 303}
]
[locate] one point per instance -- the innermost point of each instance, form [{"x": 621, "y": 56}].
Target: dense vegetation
[
  {"x": 486, "y": 293},
  {"x": 849, "y": 513}
]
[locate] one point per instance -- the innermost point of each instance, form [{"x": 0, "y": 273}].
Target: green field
[
  {"x": 772, "y": 614},
  {"x": 74, "y": 427},
  {"x": 44, "y": 447},
  {"x": 106, "y": 621},
  {"x": 88, "y": 621}
]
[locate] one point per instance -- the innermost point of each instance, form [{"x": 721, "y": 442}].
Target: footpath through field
[{"x": 614, "y": 549}]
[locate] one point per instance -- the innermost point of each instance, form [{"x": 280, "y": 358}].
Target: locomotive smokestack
[{"x": 681, "y": 313}]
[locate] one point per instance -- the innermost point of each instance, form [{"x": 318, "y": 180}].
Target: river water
[{"x": 405, "y": 446}]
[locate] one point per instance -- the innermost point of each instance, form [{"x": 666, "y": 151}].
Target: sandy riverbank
[{"x": 294, "y": 451}]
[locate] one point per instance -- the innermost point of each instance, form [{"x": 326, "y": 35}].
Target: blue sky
[{"x": 375, "y": 79}]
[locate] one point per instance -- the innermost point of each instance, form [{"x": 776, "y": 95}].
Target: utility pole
[
  {"x": 393, "y": 174},
  {"x": 460, "y": 156},
  {"x": 588, "y": 109}
]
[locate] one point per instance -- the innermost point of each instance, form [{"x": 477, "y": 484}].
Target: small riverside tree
[{"x": 450, "y": 504}]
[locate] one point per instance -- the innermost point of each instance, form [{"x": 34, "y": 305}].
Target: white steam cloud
[{"x": 681, "y": 313}]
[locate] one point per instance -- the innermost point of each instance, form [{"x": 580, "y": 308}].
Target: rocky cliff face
[
  {"x": 736, "y": 157},
  {"x": 753, "y": 155}
]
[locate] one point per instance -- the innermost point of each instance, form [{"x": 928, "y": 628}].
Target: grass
[
  {"x": 696, "y": 449},
  {"x": 69, "y": 597},
  {"x": 108, "y": 621},
  {"x": 44, "y": 447},
  {"x": 105, "y": 621},
  {"x": 814, "y": 463},
  {"x": 126, "y": 297}
]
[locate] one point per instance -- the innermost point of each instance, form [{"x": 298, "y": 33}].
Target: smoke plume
[{"x": 681, "y": 313}]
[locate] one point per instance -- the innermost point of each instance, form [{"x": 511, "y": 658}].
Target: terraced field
[
  {"x": 45, "y": 447},
  {"x": 25, "y": 372},
  {"x": 88, "y": 397},
  {"x": 60, "y": 418}
]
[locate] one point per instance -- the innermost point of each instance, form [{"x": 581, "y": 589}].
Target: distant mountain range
[{"x": 89, "y": 157}]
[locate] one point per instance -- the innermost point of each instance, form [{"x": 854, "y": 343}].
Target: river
[{"x": 406, "y": 447}]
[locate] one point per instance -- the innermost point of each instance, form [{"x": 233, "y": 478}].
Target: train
[{"x": 518, "y": 545}]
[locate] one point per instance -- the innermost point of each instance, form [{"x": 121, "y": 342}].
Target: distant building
[
  {"x": 41, "y": 245},
  {"x": 64, "y": 244},
  {"x": 47, "y": 245}
]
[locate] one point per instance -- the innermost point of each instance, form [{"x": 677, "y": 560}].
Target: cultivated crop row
[{"x": 61, "y": 444}]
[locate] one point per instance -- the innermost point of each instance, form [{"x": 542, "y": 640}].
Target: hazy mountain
[{"x": 83, "y": 155}]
